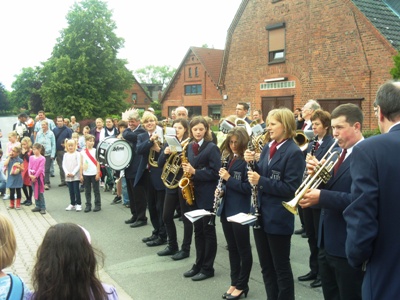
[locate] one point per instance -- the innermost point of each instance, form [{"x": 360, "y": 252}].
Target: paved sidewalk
[{"x": 30, "y": 229}]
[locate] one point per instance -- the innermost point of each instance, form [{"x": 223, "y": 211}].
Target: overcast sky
[{"x": 156, "y": 32}]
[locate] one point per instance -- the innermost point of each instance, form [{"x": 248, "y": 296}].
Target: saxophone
[{"x": 186, "y": 184}]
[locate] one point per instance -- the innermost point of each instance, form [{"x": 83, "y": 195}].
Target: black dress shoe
[
  {"x": 193, "y": 271},
  {"x": 27, "y": 203},
  {"x": 149, "y": 238},
  {"x": 299, "y": 231},
  {"x": 224, "y": 295},
  {"x": 309, "y": 276},
  {"x": 180, "y": 255},
  {"x": 245, "y": 292},
  {"x": 167, "y": 251},
  {"x": 87, "y": 209},
  {"x": 62, "y": 184},
  {"x": 97, "y": 208},
  {"x": 201, "y": 276},
  {"x": 157, "y": 242},
  {"x": 130, "y": 221},
  {"x": 138, "y": 223},
  {"x": 316, "y": 283}
]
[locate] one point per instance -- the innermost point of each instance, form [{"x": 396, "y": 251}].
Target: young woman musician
[
  {"x": 277, "y": 175},
  {"x": 204, "y": 162},
  {"x": 173, "y": 197},
  {"x": 235, "y": 199},
  {"x": 321, "y": 125}
]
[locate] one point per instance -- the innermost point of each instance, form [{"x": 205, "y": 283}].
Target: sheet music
[
  {"x": 173, "y": 143},
  {"x": 197, "y": 214},
  {"x": 242, "y": 218}
]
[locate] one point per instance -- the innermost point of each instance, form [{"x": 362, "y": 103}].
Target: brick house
[
  {"x": 138, "y": 97},
  {"x": 285, "y": 52},
  {"x": 195, "y": 84}
]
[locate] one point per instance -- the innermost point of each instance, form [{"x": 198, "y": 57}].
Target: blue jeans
[
  {"x": 125, "y": 195},
  {"x": 40, "y": 203},
  {"x": 74, "y": 193}
]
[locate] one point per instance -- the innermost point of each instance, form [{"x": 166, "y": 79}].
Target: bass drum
[{"x": 114, "y": 153}]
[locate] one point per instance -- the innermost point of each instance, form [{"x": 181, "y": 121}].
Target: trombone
[{"x": 322, "y": 174}]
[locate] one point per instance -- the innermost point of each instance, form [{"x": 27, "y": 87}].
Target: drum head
[{"x": 114, "y": 153}]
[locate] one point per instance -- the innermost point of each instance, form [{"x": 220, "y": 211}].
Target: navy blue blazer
[
  {"x": 131, "y": 137},
  {"x": 143, "y": 149},
  {"x": 278, "y": 182},
  {"x": 207, "y": 164},
  {"x": 373, "y": 217},
  {"x": 237, "y": 191},
  {"x": 335, "y": 196}
]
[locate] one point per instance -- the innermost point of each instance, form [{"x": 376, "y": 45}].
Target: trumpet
[{"x": 322, "y": 174}]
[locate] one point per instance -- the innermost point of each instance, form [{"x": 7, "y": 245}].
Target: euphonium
[
  {"x": 152, "y": 154},
  {"x": 186, "y": 184},
  {"x": 172, "y": 167},
  {"x": 322, "y": 174}
]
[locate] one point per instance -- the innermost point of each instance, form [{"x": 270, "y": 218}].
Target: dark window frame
[
  {"x": 193, "y": 89},
  {"x": 280, "y": 47}
]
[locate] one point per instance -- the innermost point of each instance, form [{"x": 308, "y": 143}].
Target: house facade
[
  {"x": 285, "y": 52},
  {"x": 195, "y": 84},
  {"x": 137, "y": 97}
]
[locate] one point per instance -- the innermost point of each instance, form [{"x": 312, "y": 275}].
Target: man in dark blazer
[
  {"x": 372, "y": 218},
  {"x": 148, "y": 178},
  {"x": 339, "y": 279},
  {"x": 135, "y": 202}
]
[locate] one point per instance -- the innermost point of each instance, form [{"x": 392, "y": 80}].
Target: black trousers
[
  {"x": 155, "y": 204},
  {"x": 130, "y": 190},
  {"x": 172, "y": 200},
  {"x": 274, "y": 256},
  {"x": 339, "y": 280},
  {"x": 205, "y": 239},
  {"x": 311, "y": 218},
  {"x": 140, "y": 198},
  {"x": 27, "y": 192},
  {"x": 240, "y": 257}
]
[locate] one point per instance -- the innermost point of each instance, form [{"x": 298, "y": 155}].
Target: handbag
[{"x": 15, "y": 169}]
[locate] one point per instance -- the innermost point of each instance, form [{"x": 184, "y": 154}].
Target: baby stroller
[{"x": 109, "y": 180}]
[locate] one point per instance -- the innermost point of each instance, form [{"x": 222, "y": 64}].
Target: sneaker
[
  {"x": 78, "y": 207},
  {"x": 117, "y": 199},
  {"x": 46, "y": 187},
  {"x": 6, "y": 197},
  {"x": 43, "y": 211},
  {"x": 70, "y": 207},
  {"x": 102, "y": 184}
]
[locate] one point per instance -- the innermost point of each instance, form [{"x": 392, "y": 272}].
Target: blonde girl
[
  {"x": 26, "y": 146},
  {"x": 71, "y": 165}
]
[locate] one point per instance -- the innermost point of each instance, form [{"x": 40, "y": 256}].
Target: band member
[
  {"x": 321, "y": 125},
  {"x": 173, "y": 197},
  {"x": 277, "y": 175},
  {"x": 203, "y": 164},
  {"x": 339, "y": 279},
  {"x": 235, "y": 195},
  {"x": 137, "y": 198},
  {"x": 149, "y": 177},
  {"x": 372, "y": 218}
]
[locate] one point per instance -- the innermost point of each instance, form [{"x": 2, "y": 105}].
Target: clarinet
[
  {"x": 311, "y": 154},
  {"x": 218, "y": 199},
  {"x": 254, "y": 190}
]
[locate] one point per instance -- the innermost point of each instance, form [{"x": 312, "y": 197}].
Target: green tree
[
  {"x": 84, "y": 77},
  {"x": 395, "y": 72},
  {"x": 26, "y": 88},
  {"x": 155, "y": 74},
  {"x": 4, "y": 102}
]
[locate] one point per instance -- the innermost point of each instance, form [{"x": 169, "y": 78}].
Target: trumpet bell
[{"x": 291, "y": 206}]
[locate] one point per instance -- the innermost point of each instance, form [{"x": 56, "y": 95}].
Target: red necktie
[
  {"x": 195, "y": 147},
  {"x": 316, "y": 146},
  {"x": 341, "y": 159},
  {"x": 231, "y": 163},
  {"x": 304, "y": 125},
  {"x": 272, "y": 149}
]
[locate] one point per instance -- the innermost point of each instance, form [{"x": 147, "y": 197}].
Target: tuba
[
  {"x": 172, "y": 166},
  {"x": 322, "y": 174},
  {"x": 186, "y": 183}
]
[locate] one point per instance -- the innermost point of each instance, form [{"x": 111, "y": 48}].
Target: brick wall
[{"x": 332, "y": 51}]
